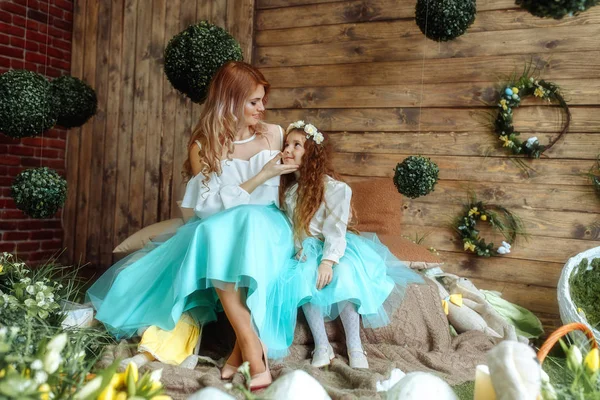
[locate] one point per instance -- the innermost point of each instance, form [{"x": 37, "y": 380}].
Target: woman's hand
[
  {"x": 324, "y": 274},
  {"x": 273, "y": 169}
]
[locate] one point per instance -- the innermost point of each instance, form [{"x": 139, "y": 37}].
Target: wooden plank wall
[
  {"x": 363, "y": 71},
  {"x": 124, "y": 166}
]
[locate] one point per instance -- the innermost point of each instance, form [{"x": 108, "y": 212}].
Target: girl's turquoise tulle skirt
[
  {"x": 368, "y": 275},
  {"x": 242, "y": 247}
]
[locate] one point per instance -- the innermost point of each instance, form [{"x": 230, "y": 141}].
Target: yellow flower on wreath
[
  {"x": 473, "y": 211},
  {"x": 539, "y": 92},
  {"x": 503, "y": 104},
  {"x": 469, "y": 246},
  {"x": 483, "y": 217},
  {"x": 507, "y": 141}
]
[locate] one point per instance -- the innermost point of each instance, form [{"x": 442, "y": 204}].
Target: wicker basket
[{"x": 568, "y": 310}]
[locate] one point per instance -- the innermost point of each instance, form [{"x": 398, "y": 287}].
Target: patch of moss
[{"x": 585, "y": 289}]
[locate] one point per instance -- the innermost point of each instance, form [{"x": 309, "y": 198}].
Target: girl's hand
[
  {"x": 299, "y": 256},
  {"x": 273, "y": 169},
  {"x": 324, "y": 274}
]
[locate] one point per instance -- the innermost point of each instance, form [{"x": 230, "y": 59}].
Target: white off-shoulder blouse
[
  {"x": 224, "y": 191},
  {"x": 330, "y": 222}
]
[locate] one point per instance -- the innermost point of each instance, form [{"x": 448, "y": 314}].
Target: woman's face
[
  {"x": 293, "y": 148},
  {"x": 254, "y": 108}
]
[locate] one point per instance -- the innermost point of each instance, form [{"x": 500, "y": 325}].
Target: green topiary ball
[
  {"x": 443, "y": 20},
  {"x": 76, "y": 101},
  {"x": 39, "y": 192},
  {"x": 416, "y": 176},
  {"x": 556, "y": 9},
  {"x": 26, "y": 105},
  {"x": 193, "y": 56}
]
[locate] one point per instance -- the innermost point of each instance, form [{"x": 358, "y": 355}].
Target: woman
[{"x": 230, "y": 254}]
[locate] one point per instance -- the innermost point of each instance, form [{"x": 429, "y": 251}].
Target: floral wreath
[
  {"x": 510, "y": 97},
  {"x": 310, "y": 130},
  {"x": 509, "y": 225}
]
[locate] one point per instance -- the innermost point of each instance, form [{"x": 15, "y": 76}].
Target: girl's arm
[{"x": 337, "y": 212}]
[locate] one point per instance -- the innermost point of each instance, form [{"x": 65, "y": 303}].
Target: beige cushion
[
  {"x": 186, "y": 213},
  {"x": 143, "y": 236},
  {"x": 378, "y": 206}
]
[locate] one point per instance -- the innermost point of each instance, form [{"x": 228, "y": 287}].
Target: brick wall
[{"x": 35, "y": 35}]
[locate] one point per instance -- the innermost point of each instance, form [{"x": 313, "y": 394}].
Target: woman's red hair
[{"x": 223, "y": 114}]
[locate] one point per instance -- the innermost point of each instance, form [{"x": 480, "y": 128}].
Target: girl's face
[
  {"x": 254, "y": 108},
  {"x": 293, "y": 148}
]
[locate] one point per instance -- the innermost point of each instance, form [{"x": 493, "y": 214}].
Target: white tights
[{"x": 350, "y": 319}]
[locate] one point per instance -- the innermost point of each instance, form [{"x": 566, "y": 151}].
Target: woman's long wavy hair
[
  {"x": 223, "y": 115},
  {"x": 316, "y": 164}
]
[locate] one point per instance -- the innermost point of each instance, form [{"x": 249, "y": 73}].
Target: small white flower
[
  {"x": 310, "y": 129},
  {"x": 14, "y": 330},
  {"x": 40, "y": 377},
  {"x": 506, "y": 244},
  {"x": 29, "y": 303},
  {"x": 318, "y": 138},
  {"x": 58, "y": 343},
  {"x": 41, "y": 304},
  {"x": 531, "y": 141},
  {"x": 30, "y": 289},
  {"x": 228, "y": 386},
  {"x": 37, "y": 364},
  {"x": 3, "y": 332}
]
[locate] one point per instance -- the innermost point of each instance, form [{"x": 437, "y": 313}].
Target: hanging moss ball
[
  {"x": 443, "y": 20},
  {"x": 26, "y": 105},
  {"x": 556, "y": 9},
  {"x": 416, "y": 176},
  {"x": 76, "y": 101},
  {"x": 193, "y": 56},
  {"x": 39, "y": 192}
]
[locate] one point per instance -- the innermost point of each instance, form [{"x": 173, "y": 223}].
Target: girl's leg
[
  {"x": 351, "y": 321},
  {"x": 247, "y": 340},
  {"x": 323, "y": 353}
]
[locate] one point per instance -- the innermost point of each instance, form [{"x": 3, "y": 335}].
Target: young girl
[{"x": 349, "y": 275}]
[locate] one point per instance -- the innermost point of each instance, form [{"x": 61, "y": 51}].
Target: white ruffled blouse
[
  {"x": 330, "y": 222},
  {"x": 224, "y": 191}
]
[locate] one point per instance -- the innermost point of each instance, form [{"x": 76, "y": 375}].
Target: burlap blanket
[{"x": 418, "y": 339}]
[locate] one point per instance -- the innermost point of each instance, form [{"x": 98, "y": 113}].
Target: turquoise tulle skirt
[
  {"x": 368, "y": 275},
  {"x": 242, "y": 247}
]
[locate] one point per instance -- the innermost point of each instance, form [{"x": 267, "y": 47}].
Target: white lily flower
[
  {"x": 58, "y": 343},
  {"x": 89, "y": 388},
  {"x": 52, "y": 361}
]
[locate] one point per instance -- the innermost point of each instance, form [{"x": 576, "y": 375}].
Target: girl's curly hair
[{"x": 316, "y": 164}]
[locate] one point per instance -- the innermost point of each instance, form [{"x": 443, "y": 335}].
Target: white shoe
[
  {"x": 322, "y": 356},
  {"x": 358, "y": 359}
]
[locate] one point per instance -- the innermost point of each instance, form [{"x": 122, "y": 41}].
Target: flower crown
[{"x": 310, "y": 130}]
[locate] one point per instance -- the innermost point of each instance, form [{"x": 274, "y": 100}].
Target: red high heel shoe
[{"x": 262, "y": 379}]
